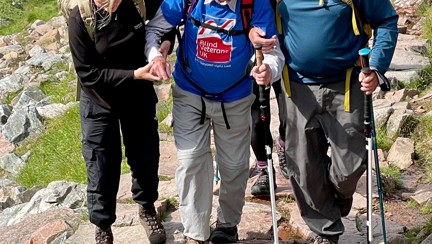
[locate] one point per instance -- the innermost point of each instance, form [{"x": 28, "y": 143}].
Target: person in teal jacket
[{"x": 325, "y": 100}]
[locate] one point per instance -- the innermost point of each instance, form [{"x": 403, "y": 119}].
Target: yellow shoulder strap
[
  {"x": 285, "y": 75},
  {"x": 356, "y": 16},
  {"x": 353, "y": 17}
]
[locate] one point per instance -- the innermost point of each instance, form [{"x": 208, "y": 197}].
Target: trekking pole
[
  {"x": 364, "y": 59},
  {"x": 263, "y": 106},
  {"x": 378, "y": 176},
  {"x": 364, "y": 53},
  {"x": 216, "y": 174}
]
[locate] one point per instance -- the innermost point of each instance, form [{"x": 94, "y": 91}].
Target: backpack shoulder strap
[
  {"x": 356, "y": 16},
  {"x": 87, "y": 16},
  {"x": 246, "y": 9},
  {"x": 140, "y": 6}
]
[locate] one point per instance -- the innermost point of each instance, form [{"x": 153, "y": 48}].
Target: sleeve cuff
[{"x": 153, "y": 53}]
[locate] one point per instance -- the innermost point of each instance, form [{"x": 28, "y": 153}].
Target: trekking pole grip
[
  {"x": 259, "y": 57},
  {"x": 364, "y": 60}
]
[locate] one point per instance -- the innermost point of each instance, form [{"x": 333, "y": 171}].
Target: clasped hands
[{"x": 158, "y": 69}]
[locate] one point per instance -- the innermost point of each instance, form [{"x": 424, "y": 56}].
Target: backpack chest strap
[{"x": 217, "y": 28}]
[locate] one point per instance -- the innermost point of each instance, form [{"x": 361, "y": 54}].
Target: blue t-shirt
[
  {"x": 320, "y": 42},
  {"x": 216, "y": 61}
]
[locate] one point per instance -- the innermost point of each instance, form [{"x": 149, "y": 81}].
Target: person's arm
[
  {"x": 87, "y": 60},
  {"x": 383, "y": 20},
  {"x": 155, "y": 29},
  {"x": 265, "y": 28},
  {"x": 152, "y": 6}
]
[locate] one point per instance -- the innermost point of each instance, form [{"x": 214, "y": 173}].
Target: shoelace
[
  {"x": 320, "y": 240},
  {"x": 150, "y": 218},
  {"x": 104, "y": 236},
  {"x": 263, "y": 178}
]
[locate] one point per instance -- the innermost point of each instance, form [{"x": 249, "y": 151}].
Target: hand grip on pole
[
  {"x": 364, "y": 60},
  {"x": 259, "y": 57}
]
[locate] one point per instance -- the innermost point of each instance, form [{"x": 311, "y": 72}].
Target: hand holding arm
[
  {"x": 164, "y": 48},
  {"x": 257, "y": 37},
  {"x": 161, "y": 68},
  {"x": 144, "y": 73}
]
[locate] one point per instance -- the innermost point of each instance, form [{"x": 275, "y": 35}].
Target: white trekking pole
[
  {"x": 364, "y": 59},
  {"x": 259, "y": 58}
]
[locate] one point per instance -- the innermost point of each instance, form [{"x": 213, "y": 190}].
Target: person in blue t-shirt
[
  {"x": 212, "y": 91},
  {"x": 325, "y": 101}
]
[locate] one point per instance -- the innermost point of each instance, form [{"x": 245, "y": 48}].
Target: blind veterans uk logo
[{"x": 212, "y": 46}]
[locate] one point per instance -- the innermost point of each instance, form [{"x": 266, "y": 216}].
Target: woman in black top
[{"x": 117, "y": 100}]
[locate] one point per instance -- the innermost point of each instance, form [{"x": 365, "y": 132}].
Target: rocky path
[{"x": 255, "y": 226}]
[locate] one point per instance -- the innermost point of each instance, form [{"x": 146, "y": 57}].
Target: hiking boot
[
  {"x": 193, "y": 241},
  {"x": 326, "y": 239},
  {"x": 262, "y": 184},
  {"x": 344, "y": 205},
  {"x": 104, "y": 236},
  {"x": 152, "y": 225},
  {"x": 282, "y": 162},
  {"x": 224, "y": 235}
]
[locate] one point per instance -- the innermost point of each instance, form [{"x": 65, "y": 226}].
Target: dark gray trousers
[
  {"x": 316, "y": 121},
  {"x": 102, "y": 132}
]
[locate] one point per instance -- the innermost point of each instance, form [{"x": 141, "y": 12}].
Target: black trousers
[
  {"x": 132, "y": 120},
  {"x": 258, "y": 138}
]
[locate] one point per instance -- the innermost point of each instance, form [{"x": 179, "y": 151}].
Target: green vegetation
[
  {"x": 16, "y": 14},
  {"x": 63, "y": 91},
  {"x": 391, "y": 179},
  {"x": 383, "y": 141},
  {"x": 56, "y": 155},
  {"x": 421, "y": 135}
]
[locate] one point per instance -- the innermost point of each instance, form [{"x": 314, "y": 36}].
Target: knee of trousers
[{"x": 193, "y": 153}]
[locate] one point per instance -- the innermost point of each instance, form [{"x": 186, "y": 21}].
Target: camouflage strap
[
  {"x": 87, "y": 16},
  {"x": 140, "y": 5}
]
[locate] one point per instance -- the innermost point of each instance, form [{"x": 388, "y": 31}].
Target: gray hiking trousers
[
  {"x": 316, "y": 121},
  {"x": 194, "y": 175}
]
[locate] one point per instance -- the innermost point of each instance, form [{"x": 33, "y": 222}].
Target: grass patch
[
  {"x": 413, "y": 233},
  {"x": 11, "y": 96},
  {"x": 56, "y": 154},
  {"x": 165, "y": 178},
  {"x": 60, "y": 92},
  {"x": 171, "y": 205},
  {"x": 425, "y": 10},
  {"x": 16, "y": 15},
  {"x": 422, "y": 136},
  {"x": 395, "y": 182},
  {"x": 423, "y": 82},
  {"x": 383, "y": 141},
  {"x": 164, "y": 108}
]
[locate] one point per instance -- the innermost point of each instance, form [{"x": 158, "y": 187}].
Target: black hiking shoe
[
  {"x": 152, "y": 225},
  {"x": 104, "y": 236},
  {"x": 224, "y": 235},
  {"x": 323, "y": 239},
  {"x": 262, "y": 184},
  {"x": 282, "y": 162}
]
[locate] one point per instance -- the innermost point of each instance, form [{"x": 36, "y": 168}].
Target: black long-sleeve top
[{"x": 106, "y": 64}]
